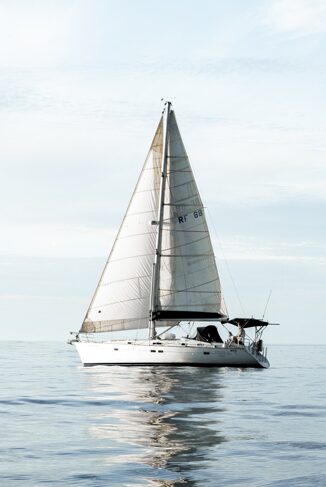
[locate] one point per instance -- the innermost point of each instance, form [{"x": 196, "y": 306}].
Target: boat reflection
[{"x": 165, "y": 420}]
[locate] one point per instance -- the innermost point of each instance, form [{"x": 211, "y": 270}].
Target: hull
[{"x": 168, "y": 353}]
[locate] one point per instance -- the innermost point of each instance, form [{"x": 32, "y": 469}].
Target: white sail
[
  {"x": 189, "y": 286},
  {"x": 122, "y": 298},
  {"x": 186, "y": 284},
  {"x": 162, "y": 270}
]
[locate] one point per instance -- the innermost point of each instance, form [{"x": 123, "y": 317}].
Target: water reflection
[{"x": 159, "y": 424}]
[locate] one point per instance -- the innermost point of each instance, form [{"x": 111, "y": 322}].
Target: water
[{"x": 64, "y": 425}]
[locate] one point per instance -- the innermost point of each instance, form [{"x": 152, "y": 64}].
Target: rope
[{"x": 226, "y": 263}]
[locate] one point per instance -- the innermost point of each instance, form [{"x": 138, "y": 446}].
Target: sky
[{"x": 81, "y": 83}]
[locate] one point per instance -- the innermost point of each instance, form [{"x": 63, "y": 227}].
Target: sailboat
[{"x": 161, "y": 272}]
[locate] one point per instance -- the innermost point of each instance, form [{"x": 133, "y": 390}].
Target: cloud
[
  {"x": 299, "y": 17},
  {"x": 67, "y": 241},
  {"x": 254, "y": 249},
  {"x": 35, "y": 34},
  {"x": 303, "y": 190},
  {"x": 55, "y": 241},
  {"x": 34, "y": 297}
]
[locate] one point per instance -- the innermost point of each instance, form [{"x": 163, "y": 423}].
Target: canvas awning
[{"x": 248, "y": 322}]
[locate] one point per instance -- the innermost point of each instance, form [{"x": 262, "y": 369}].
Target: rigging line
[
  {"x": 226, "y": 264},
  {"x": 269, "y": 297},
  {"x": 225, "y": 327},
  {"x": 183, "y": 329},
  {"x": 223, "y": 305}
]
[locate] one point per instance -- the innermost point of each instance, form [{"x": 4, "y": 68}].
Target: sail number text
[{"x": 196, "y": 214}]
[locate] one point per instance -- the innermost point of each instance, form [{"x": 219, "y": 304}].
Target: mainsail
[
  {"x": 185, "y": 283},
  {"x": 189, "y": 286}
]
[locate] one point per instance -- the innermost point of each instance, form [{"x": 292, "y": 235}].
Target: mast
[{"x": 156, "y": 265}]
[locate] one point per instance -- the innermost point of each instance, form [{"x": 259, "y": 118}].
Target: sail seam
[
  {"x": 200, "y": 203},
  {"x": 196, "y": 205},
  {"x": 194, "y": 287},
  {"x": 136, "y": 235},
  {"x": 191, "y": 181},
  {"x": 141, "y": 213},
  {"x": 128, "y": 257},
  {"x": 188, "y": 255},
  {"x": 127, "y": 279},
  {"x": 186, "y": 305},
  {"x": 167, "y": 292},
  {"x": 182, "y": 245},
  {"x": 122, "y": 320},
  {"x": 120, "y": 301},
  {"x": 202, "y": 269},
  {"x": 150, "y": 190},
  {"x": 192, "y": 231}
]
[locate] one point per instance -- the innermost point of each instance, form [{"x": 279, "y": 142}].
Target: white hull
[{"x": 176, "y": 352}]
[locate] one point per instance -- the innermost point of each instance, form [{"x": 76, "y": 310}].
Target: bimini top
[{"x": 248, "y": 322}]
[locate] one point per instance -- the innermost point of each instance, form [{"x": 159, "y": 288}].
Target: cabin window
[
  {"x": 153, "y": 350},
  {"x": 206, "y": 353},
  {"x": 160, "y": 351},
  {"x": 116, "y": 349}
]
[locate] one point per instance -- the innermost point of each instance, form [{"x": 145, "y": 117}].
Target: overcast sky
[{"x": 80, "y": 89}]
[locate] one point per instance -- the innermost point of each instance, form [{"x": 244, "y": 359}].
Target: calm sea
[{"x": 64, "y": 425}]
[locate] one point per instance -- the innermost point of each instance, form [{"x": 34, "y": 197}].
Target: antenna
[
  {"x": 167, "y": 100},
  {"x": 269, "y": 297}
]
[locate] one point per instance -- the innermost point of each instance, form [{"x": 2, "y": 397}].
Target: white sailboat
[{"x": 161, "y": 272}]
